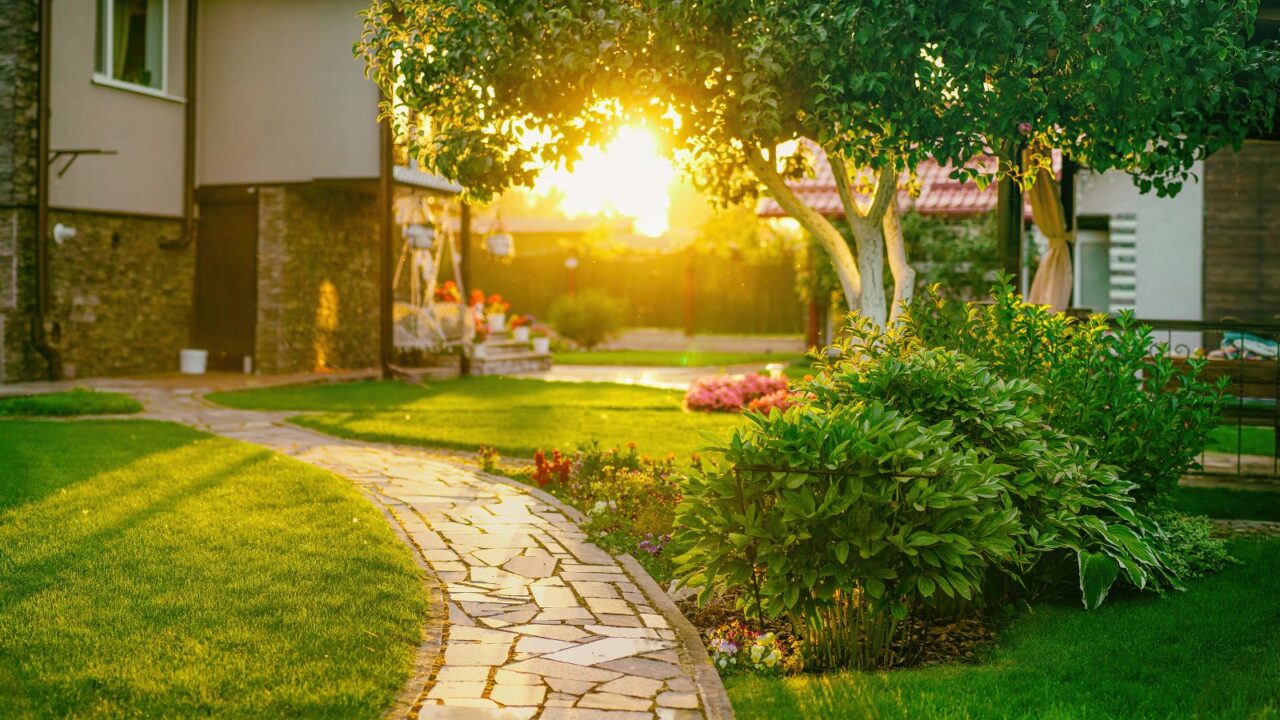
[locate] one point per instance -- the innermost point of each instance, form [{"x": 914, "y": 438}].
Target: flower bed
[{"x": 734, "y": 393}]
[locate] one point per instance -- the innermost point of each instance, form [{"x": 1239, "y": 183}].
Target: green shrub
[
  {"x": 1110, "y": 384},
  {"x": 1189, "y": 546},
  {"x": 78, "y": 401},
  {"x": 1076, "y": 513},
  {"x": 844, "y": 520},
  {"x": 588, "y": 318}
]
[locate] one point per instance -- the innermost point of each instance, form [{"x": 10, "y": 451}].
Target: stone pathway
[{"x": 541, "y": 623}]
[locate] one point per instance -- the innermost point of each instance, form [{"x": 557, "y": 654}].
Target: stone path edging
[{"x": 531, "y": 619}]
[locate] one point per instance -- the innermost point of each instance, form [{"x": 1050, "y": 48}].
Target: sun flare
[{"x": 628, "y": 177}]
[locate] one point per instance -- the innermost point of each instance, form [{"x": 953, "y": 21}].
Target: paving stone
[
  {"x": 568, "y": 671},
  {"x": 541, "y": 646},
  {"x": 556, "y": 713},
  {"x": 678, "y": 700},
  {"x": 463, "y": 654},
  {"x": 653, "y": 621},
  {"x": 463, "y": 673},
  {"x": 554, "y": 632},
  {"x": 531, "y": 566},
  {"x": 619, "y": 620},
  {"x": 554, "y": 597},
  {"x": 516, "y": 616},
  {"x": 615, "y": 631},
  {"x": 589, "y": 589},
  {"x": 482, "y": 635},
  {"x": 456, "y": 690},
  {"x": 570, "y": 687},
  {"x": 678, "y": 714},
  {"x": 564, "y": 613},
  {"x": 680, "y": 684},
  {"x": 644, "y": 668},
  {"x": 606, "y": 650},
  {"x": 507, "y": 677},
  {"x": 518, "y": 694},
  {"x": 631, "y": 685},
  {"x": 670, "y": 656},
  {"x": 610, "y": 701}
]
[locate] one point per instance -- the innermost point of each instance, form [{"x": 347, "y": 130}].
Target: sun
[{"x": 629, "y": 177}]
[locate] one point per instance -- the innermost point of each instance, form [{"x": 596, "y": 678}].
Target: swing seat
[{"x": 433, "y": 328}]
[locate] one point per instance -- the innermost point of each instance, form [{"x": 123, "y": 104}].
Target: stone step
[{"x": 511, "y": 364}]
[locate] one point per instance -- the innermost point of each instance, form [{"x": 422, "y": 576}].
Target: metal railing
[{"x": 1245, "y": 354}]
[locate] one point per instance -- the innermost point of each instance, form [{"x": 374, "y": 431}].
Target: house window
[{"x": 131, "y": 41}]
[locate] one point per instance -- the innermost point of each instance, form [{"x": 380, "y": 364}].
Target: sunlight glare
[{"x": 629, "y": 177}]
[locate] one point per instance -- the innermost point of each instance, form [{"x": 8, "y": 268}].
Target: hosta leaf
[{"x": 1098, "y": 571}]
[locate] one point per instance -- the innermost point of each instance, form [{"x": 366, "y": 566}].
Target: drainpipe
[
  {"x": 386, "y": 295},
  {"x": 40, "y": 340}
]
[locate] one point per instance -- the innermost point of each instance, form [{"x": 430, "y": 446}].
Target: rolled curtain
[{"x": 1052, "y": 284}]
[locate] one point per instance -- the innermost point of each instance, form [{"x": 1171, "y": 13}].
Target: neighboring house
[
  {"x": 209, "y": 173},
  {"x": 1210, "y": 253}
]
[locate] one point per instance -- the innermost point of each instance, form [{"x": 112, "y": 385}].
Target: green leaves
[{"x": 1098, "y": 573}]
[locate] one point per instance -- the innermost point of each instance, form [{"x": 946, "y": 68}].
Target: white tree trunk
[
  {"x": 871, "y": 243},
  {"x": 828, "y": 236},
  {"x": 904, "y": 276}
]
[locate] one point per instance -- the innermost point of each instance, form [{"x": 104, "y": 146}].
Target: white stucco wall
[
  {"x": 281, "y": 97},
  {"x": 1170, "y": 236},
  {"x": 145, "y": 131}
]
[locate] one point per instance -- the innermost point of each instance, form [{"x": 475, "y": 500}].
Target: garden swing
[{"x": 424, "y": 322}]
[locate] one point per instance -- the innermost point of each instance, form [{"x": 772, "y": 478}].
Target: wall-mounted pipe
[{"x": 39, "y": 335}]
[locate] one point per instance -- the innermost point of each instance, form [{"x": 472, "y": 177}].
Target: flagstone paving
[{"x": 541, "y": 623}]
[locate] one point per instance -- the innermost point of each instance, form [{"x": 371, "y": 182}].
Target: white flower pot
[
  {"x": 521, "y": 334},
  {"x": 192, "y": 361},
  {"x": 497, "y": 322},
  {"x": 479, "y": 351},
  {"x": 542, "y": 345}
]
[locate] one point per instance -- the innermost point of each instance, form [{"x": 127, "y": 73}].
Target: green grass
[
  {"x": 676, "y": 358},
  {"x": 71, "y": 402},
  {"x": 1211, "y": 652},
  {"x": 1252, "y": 440},
  {"x": 150, "y": 570},
  {"x": 515, "y": 416},
  {"x": 1227, "y": 503}
]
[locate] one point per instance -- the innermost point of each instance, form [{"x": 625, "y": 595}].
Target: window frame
[{"x": 105, "y": 54}]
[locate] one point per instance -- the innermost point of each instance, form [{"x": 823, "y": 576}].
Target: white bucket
[
  {"x": 542, "y": 345},
  {"x": 193, "y": 362}
]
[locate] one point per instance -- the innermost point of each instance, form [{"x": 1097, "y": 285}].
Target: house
[{"x": 193, "y": 173}]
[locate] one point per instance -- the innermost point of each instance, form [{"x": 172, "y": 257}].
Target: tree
[{"x": 1147, "y": 86}]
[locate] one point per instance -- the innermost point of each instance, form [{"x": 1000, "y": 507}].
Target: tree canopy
[{"x": 1145, "y": 86}]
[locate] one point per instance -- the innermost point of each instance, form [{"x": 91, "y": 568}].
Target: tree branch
[
  {"x": 886, "y": 192},
  {"x": 826, "y": 234}
]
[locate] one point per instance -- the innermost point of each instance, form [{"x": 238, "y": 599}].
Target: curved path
[{"x": 541, "y": 623}]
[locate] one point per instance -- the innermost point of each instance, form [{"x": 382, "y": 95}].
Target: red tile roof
[{"x": 939, "y": 194}]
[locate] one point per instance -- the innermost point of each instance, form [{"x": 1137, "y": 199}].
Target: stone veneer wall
[
  {"x": 19, "y": 96},
  {"x": 317, "y": 278},
  {"x": 121, "y": 302}
]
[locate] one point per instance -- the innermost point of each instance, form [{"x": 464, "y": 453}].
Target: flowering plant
[
  {"x": 539, "y": 331},
  {"x": 737, "y": 648},
  {"x": 488, "y": 458},
  {"x": 557, "y": 468},
  {"x": 729, "y": 393},
  {"x": 777, "y": 400},
  {"x": 476, "y": 299},
  {"x": 519, "y": 321},
  {"x": 653, "y": 543},
  {"x": 495, "y": 305},
  {"x": 448, "y": 292}
]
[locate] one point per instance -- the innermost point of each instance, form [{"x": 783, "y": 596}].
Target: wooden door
[{"x": 227, "y": 278}]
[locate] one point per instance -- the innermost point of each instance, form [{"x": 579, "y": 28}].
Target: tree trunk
[
  {"x": 904, "y": 276},
  {"x": 831, "y": 240},
  {"x": 871, "y": 243}
]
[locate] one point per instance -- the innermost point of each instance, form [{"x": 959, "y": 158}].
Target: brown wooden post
[
  {"x": 690, "y": 288},
  {"x": 386, "y": 263}
]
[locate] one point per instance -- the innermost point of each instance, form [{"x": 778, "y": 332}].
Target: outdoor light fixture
[{"x": 62, "y": 233}]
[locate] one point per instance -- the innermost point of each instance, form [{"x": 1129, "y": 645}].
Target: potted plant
[
  {"x": 520, "y": 326},
  {"x": 495, "y": 312},
  {"x": 541, "y": 340}
]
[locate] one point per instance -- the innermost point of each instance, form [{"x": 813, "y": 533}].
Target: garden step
[{"x": 511, "y": 364}]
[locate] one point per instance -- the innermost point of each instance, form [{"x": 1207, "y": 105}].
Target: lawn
[
  {"x": 1227, "y": 503},
  {"x": 1211, "y": 652},
  {"x": 515, "y": 416},
  {"x": 71, "y": 402},
  {"x": 150, "y": 570},
  {"x": 1251, "y": 439},
  {"x": 676, "y": 358}
]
